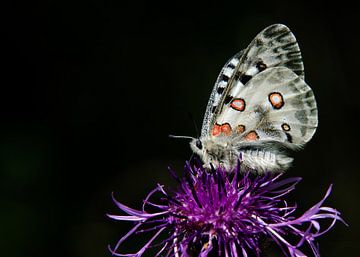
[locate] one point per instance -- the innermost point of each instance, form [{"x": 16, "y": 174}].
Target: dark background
[{"x": 91, "y": 89}]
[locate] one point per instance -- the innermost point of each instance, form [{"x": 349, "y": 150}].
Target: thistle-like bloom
[{"x": 226, "y": 214}]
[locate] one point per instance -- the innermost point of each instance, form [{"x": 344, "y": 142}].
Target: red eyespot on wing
[
  {"x": 276, "y": 99},
  {"x": 221, "y": 129},
  {"x": 238, "y": 104},
  {"x": 216, "y": 130},
  {"x": 252, "y": 136},
  {"x": 226, "y": 129}
]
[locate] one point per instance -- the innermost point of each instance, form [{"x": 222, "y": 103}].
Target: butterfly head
[
  {"x": 197, "y": 146},
  {"x": 215, "y": 153}
]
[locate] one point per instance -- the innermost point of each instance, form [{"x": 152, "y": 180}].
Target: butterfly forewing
[
  {"x": 217, "y": 93},
  {"x": 274, "y": 46}
]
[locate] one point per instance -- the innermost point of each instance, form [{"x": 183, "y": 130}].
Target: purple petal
[
  {"x": 146, "y": 246},
  {"x": 126, "y": 209},
  {"x": 148, "y": 197},
  {"x": 126, "y": 218},
  {"x": 297, "y": 253},
  {"x": 124, "y": 238}
]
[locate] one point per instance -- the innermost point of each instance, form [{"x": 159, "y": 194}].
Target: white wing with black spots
[
  {"x": 275, "y": 46},
  {"x": 276, "y": 104},
  {"x": 217, "y": 93}
]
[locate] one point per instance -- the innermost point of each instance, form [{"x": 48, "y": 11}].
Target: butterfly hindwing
[
  {"x": 274, "y": 46},
  {"x": 275, "y": 105}
]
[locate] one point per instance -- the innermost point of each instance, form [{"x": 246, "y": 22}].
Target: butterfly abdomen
[{"x": 262, "y": 160}]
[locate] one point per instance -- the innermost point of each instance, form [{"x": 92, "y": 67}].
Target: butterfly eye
[{"x": 199, "y": 144}]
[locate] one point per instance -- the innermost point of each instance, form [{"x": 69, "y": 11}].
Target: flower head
[{"x": 229, "y": 214}]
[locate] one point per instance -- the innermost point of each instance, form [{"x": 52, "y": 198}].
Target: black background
[{"x": 91, "y": 89}]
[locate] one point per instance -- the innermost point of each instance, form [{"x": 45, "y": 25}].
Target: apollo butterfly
[{"x": 260, "y": 107}]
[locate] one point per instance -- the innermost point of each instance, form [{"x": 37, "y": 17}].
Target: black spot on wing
[
  {"x": 258, "y": 42},
  {"x": 289, "y": 137},
  {"x": 227, "y": 99},
  {"x": 220, "y": 90},
  {"x": 274, "y": 30},
  {"x": 213, "y": 109},
  {"x": 283, "y": 36},
  {"x": 231, "y": 66},
  {"x": 224, "y": 78},
  {"x": 289, "y": 46},
  {"x": 293, "y": 54},
  {"x": 245, "y": 78},
  {"x": 260, "y": 65},
  {"x": 295, "y": 65}
]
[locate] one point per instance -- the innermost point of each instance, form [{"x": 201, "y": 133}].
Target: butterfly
[{"x": 260, "y": 107}]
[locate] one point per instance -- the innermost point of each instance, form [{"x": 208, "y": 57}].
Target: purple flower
[{"x": 226, "y": 213}]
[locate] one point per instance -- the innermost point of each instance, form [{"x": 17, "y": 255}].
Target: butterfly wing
[
  {"x": 275, "y": 105},
  {"x": 221, "y": 84},
  {"x": 273, "y": 47}
]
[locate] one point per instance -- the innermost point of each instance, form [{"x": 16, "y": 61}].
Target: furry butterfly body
[{"x": 260, "y": 106}]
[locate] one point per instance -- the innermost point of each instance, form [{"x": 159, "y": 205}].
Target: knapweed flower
[{"x": 225, "y": 214}]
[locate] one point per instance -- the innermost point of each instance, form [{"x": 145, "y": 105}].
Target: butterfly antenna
[
  {"x": 194, "y": 123},
  {"x": 186, "y": 137}
]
